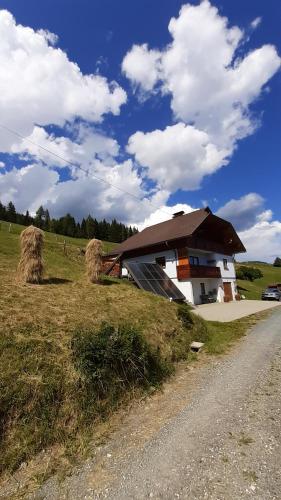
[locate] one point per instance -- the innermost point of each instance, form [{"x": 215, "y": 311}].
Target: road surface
[{"x": 231, "y": 311}]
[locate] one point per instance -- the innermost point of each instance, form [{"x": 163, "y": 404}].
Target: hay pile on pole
[
  {"x": 31, "y": 265},
  {"x": 93, "y": 257}
]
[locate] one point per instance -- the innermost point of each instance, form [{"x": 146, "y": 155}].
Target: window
[
  {"x": 203, "y": 289},
  {"x": 161, "y": 261},
  {"x": 194, "y": 261},
  {"x": 225, "y": 264}
]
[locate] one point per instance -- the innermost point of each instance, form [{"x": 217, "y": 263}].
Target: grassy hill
[
  {"x": 52, "y": 393},
  {"x": 253, "y": 290}
]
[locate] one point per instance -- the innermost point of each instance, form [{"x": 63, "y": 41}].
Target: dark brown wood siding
[{"x": 187, "y": 272}]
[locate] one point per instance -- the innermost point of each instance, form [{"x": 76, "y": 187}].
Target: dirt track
[{"x": 221, "y": 440}]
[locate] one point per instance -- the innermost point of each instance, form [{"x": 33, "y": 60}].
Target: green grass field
[
  {"x": 47, "y": 400},
  {"x": 253, "y": 290}
]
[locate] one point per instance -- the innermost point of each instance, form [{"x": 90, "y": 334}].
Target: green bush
[
  {"x": 248, "y": 273},
  {"x": 113, "y": 360}
]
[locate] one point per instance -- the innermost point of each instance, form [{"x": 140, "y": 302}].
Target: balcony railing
[{"x": 185, "y": 272}]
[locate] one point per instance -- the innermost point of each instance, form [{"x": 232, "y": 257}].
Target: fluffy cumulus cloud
[
  {"x": 142, "y": 66},
  {"x": 258, "y": 230},
  {"x": 211, "y": 86},
  {"x": 244, "y": 212},
  {"x": 177, "y": 157},
  {"x": 87, "y": 146},
  {"x": 98, "y": 191},
  {"x": 28, "y": 187},
  {"x": 40, "y": 78},
  {"x": 262, "y": 241},
  {"x": 164, "y": 213}
]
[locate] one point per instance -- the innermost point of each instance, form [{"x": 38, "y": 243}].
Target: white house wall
[{"x": 191, "y": 288}]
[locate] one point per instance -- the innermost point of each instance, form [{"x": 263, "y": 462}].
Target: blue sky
[{"x": 188, "y": 121}]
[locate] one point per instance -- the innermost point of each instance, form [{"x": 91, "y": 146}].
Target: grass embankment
[
  {"x": 253, "y": 290},
  {"x": 62, "y": 371},
  {"x": 221, "y": 336},
  {"x": 49, "y": 392}
]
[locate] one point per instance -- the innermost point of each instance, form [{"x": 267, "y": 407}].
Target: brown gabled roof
[
  {"x": 177, "y": 228},
  {"x": 172, "y": 229}
]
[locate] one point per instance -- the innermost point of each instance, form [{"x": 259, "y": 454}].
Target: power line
[{"x": 14, "y": 132}]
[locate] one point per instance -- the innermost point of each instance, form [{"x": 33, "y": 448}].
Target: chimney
[{"x": 178, "y": 214}]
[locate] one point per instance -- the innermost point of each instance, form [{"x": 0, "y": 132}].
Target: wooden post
[{"x": 64, "y": 248}]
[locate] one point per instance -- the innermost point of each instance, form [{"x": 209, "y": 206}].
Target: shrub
[
  {"x": 248, "y": 273},
  {"x": 112, "y": 360}
]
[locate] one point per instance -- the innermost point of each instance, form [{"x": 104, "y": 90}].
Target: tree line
[{"x": 88, "y": 228}]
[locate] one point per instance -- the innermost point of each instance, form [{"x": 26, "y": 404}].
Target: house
[{"x": 196, "y": 251}]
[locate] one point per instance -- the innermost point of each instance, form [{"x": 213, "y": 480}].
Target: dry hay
[
  {"x": 93, "y": 257},
  {"x": 31, "y": 267}
]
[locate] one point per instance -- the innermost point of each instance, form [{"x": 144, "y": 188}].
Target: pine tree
[
  {"x": 83, "y": 229},
  {"x": 90, "y": 227},
  {"x": 3, "y": 213},
  {"x": 27, "y": 219},
  {"x": 39, "y": 217},
  {"x": 11, "y": 212},
  {"x": 277, "y": 262},
  {"x": 47, "y": 220}
]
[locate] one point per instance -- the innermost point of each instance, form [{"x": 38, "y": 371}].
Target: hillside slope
[
  {"x": 46, "y": 391},
  {"x": 253, "y": 290}
]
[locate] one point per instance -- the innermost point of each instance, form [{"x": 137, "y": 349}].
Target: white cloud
[
  {"x": 262, "y": 241},
  {"x": 2, "y": 164},
  {"x": 35, "y": 185},
  {"x": 40, "y": 85},
  {"x": 142, "y": 66},
  {"x": 28, "y": 187},
  {"x": 164, "y": 213},
  {"x": 177, "y": 157},
  {"x": 50, "y": 37},
  {"x": 260, "y": 234},
  {"x": 211, "y": 85},
  {"x": 244, "y": 212},
  {"x": 265, "y": 216},
  {"x": 256, "y": 22},
  {"x": 88, "y": 146}
]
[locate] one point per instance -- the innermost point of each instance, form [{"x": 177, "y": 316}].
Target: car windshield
[{"x": 271, "y": 290}]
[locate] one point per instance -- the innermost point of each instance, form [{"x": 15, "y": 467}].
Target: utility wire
[{"x": 14, "y": 132}]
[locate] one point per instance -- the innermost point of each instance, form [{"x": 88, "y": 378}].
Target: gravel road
[{"x": 225, "y": 443}]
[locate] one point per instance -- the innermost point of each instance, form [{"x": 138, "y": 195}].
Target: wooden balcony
[{"x": 185, "y": 272}]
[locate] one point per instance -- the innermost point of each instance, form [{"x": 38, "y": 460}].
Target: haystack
[
  {"x": 93, "y": 257},
  {"x": 31, "y": 265}
]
